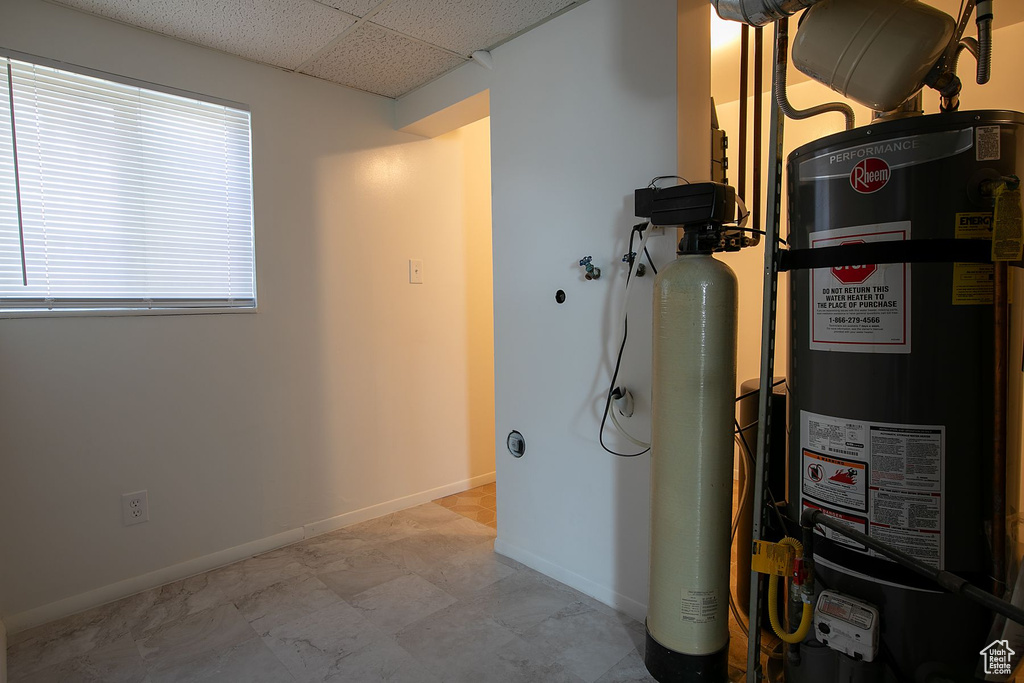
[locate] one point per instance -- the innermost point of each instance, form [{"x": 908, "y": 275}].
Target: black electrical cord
[
  {"x": 648, "y": 255},
  {"x": 757, "y": 391},
  {"x": 750, "y": 456},
  {"x": 654, "y": 181},
  {"x": 759, "y": 232},
  {"x": 622, "y": 347}
]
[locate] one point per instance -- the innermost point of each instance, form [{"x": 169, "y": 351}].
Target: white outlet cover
[
  {"x": 415, "y": 271},
  {"x": 135, "y": 507}
]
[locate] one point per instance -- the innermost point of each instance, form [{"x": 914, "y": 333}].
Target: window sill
[{"x": 120, "y": 312}]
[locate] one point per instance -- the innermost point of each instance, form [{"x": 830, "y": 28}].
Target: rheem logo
[{"x": 870, "y": 175}]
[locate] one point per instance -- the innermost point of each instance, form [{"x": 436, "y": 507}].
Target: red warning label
[{"x": 836, "y": 480}]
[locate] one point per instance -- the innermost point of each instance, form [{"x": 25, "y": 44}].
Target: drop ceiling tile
[
  {"x": 357, "y": 7},
  {"x": 280, "y": 32},
  {"x": 379, "y": 61},
  {"x": 465, "y": 25}
]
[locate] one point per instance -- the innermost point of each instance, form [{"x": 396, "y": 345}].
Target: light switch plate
[{"x": 415, "y": 271}]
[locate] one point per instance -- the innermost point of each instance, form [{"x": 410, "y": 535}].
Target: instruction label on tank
[
  {"x": 888, "y": 480},
  {"x": 973, "y": 283},
  {"x": 698, "y": 607},
  {"x": 861, "y": 309}
]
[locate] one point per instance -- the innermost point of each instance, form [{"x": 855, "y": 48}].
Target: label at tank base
[
  {"x": 886, "y": 480},
  {"x": 698, "y": 607},
  {"x": 861, "y": 309}
]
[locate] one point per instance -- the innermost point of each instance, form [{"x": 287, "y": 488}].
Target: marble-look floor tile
[
  {"x": 394, "y": 605},
  {"x": 522, "y": 600},
  {"x": 467, "y": 574},
  {"x": 429, "y": 515},
  {"x": 384, "y": 661},
  {"x": 586, "y": 641},
  {"x": 385, "y": 529},
  {"x": 50, "y": 644},
  {"x": 282, "y": 602},
  {"x": 314, "y": 645},
  {"x": 463, "y": 527},
  {"x": 205, "y": 591},
  {"x": 630, "y": 669},
  {"x": 361, "y": 572},
  {"x": 184, "y": 640},
  {"x": 320, "y": 551},
  {"x": 250, "y": 661},
  {"x": 451, "y": 634},
  {"x": 118, "y": 662},
  {"x": 421, "y": 553},
  {"x": 512, "y": 662}
]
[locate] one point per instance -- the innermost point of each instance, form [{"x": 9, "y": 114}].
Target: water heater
[{"x": 891, "y": 370}]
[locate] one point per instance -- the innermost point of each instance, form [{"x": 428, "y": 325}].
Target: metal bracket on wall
[{"x": 768, "y": 322}]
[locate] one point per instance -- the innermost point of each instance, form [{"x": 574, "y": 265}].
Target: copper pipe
[
  {"x": 741, "y": 181},
  {"x": 1001, "y": 367},
  {"x": 755, "y": 206}
]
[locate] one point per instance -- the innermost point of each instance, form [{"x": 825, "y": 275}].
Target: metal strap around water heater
[
  {"x": 902, "y": 251},
  {"x": 768, "y": 321}
]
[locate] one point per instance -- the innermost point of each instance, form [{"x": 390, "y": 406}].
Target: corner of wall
[{"x": 467, "y": 82}]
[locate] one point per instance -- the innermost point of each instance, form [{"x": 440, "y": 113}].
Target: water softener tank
[
  {"x": 694, "y": 381},
  {"x": 891, "y": 370}
]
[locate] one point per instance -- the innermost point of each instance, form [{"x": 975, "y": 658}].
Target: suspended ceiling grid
[{"x": 387, "y": 48}]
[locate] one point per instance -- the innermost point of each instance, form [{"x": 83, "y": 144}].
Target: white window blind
[{"x": 115, "y": 196}]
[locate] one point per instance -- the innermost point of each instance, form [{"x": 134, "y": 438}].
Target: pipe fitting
[{"x": 759, "y": 12}]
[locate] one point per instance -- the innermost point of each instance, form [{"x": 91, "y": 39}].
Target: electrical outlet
[
  {"x": 415, "y": 271},
  {"x": 135, "y": 507}
]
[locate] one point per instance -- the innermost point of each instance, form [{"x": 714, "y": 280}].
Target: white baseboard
[
  {"x": 123, "y": 589},
  {"x": 604, "y": 594},
  {"x": 381, "y": 509}
]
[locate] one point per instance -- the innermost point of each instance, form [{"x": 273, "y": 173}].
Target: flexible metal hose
[
  {"x": 984, "y": 49},
  {"x": 781, "y": 64},
  {"x": 969, "y": 44}
]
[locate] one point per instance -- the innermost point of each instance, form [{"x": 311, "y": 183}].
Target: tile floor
[
  {"x": 479, "y": 504},
  {"x": 416, "y": 596}
]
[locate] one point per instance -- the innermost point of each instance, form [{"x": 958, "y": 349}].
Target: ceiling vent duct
[{"x": 759, "y": 12}]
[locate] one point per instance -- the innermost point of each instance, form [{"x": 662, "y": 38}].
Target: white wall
[
  {"x": 349, "y": 388},
  {"x": 583, "y": 110}
]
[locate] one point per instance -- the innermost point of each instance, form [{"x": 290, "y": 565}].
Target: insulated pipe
[
  {"x": 692, "y": 401},
  {"x": 951, "y": 582},
  {"x": 759, "y": 12},
  {"x": 781, "y": 63},
  {"x": 984, "y": 19}
]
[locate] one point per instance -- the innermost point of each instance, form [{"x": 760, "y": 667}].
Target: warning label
[
  {"x": 853, "y": 521},
  {"x": 911, "y": 522},
  {"x": 1008, "y": 225},
  {"x": 862, "y": 309},
  {"x": 987, "y": 147},
  {"x": 834, "y": 480},
  {"x": 883, "y": 479},
  {"x": 973, "y": 283}
]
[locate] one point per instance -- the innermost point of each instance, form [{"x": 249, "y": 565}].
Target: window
[{"x": 116, "y": 195}]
